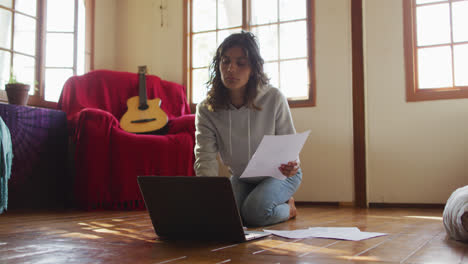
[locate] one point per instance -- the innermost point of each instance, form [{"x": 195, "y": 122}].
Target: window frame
[
  {"x": 187, "y": 46},
  {"x": 413, "y": 93},
  {"x": 38, "y": 98}
]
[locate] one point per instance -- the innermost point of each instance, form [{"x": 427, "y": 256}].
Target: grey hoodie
[{"x": 236, "y": 133}]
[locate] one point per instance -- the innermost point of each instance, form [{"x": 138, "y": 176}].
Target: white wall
[
  {"x": 105, "y": 34},
  {"x": 417, "y": 151},
  {"x": 129, "y": 33},
  {"x": 327, "y": 159}
]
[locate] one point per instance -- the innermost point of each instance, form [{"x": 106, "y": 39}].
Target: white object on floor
[
  {"x": 456, "y": 206},
  {"x": 343, "y": 233}
]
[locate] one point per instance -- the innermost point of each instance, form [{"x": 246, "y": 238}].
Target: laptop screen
[{"x": 192, "y": 207}]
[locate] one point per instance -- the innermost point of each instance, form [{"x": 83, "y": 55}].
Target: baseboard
[
  {"x": 406, "y": 205},
  {"x": 305, "y": 204},
  {"x": 372, "y": 205}
]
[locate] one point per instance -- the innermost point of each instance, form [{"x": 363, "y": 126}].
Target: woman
[{"x": 240, "y": 108}]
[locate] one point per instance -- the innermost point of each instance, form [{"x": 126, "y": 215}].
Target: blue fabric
[
  {"x": 265, "y": 203},
  {"x": 6, "y": 157}
]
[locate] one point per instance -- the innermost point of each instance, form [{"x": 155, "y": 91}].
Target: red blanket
[{"x": 108, "y": 159}]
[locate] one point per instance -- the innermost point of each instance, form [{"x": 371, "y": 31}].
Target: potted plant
[{"x": 17, "y": 92}]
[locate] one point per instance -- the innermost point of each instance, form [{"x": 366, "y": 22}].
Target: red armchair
[{"x": 107, "y": 158}]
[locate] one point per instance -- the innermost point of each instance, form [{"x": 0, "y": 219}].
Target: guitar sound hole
[{"x": 143, "y": 120}]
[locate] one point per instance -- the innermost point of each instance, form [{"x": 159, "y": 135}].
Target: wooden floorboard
[{"x": 414, "y": 236}]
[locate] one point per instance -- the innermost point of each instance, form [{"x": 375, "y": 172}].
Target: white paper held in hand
[{"x": 272, "y": 152}]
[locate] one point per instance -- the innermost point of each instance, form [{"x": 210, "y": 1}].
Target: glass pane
[
  {"x": 59, "y": 50},
  {"x": 26, "y": 6},
  {"x": 294, "y": 78},
  {"x": 4, "y": 68},
  {"x": 6, "y": 3},
  {"x": 268, "y": 41},
  {"x": 271, "y": 70},
  {"x": 204, "y": 48},
  {"x": 433, "y": 24},
  {"x": 81, "y": 54},
  {"x": 460, "y": 54},
  {"x": 292, "y": 9},
  {"x": 204, "y": 15},
  {"x": 54, "y": 81},
  {"x": 223, "y": 34},
  {"x": 229, "y": 13},
  {"x": 419, "y": 2},
  {"x": 293, "y": 40},
  {"x": 5, "y": 29},
  {"x": 24, "y": 68},
  {"x": 199, "y": 89},
  {"x": 25, "y": 34},
  {"x": 460, "y": 21},
  {"x": 435, "y": 67},
  {"x": 60, "y": 15},
  {"x": 264, "y": 11}
]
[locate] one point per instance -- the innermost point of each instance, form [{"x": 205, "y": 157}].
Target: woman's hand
[{"x": 290, "y": 169}]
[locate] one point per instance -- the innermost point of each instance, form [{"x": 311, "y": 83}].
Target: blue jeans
[{"x": 265, "y": 203}]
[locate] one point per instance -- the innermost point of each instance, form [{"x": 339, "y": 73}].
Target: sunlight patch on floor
[
  {"x": 385, "y": 217},
  {"x": 102, "y": 224},
  {"x": 295, "y": 248},
  {"x": 136, "y": 235},
  {"x": 360, "y": 258},
  {"x": 80, "y": 235},
  {"x": 425, "y": 217},
  {"x": 107, "y": 231},
  {"x": 100, "y": 227},
  {"x": 57, "y": 232}
]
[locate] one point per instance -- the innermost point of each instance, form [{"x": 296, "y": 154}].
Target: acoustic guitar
[{"x": 143, "y": 116}]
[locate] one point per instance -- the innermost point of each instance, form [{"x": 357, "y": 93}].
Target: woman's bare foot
[{"x": 292, "y": 208}]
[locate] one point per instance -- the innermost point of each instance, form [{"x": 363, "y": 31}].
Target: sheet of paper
[
  {"x": 343, "y": 233},
  {"x": 272, "y": 152}
]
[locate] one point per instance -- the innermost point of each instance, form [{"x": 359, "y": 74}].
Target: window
[
  {"x": 436, "y": 49},
  {"x": 42, "y": 44},
  {"x": 284, "y": 30}
]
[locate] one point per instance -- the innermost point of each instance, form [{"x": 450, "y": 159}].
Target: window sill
[{"x": 436, "y": 94}]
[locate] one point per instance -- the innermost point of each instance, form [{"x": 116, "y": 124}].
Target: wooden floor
[{"x": 415, "y": 236}]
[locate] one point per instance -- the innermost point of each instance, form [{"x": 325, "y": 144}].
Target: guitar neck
[{"x": 142, "y": 89}]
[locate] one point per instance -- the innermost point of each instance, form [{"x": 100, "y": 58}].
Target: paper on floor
[{"x": 344, "y": 233}]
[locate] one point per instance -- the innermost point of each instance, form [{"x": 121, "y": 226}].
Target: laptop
[{"x": 194, "y": 208}]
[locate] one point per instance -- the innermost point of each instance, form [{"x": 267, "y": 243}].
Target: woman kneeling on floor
[{"x": 241, "y": 107}]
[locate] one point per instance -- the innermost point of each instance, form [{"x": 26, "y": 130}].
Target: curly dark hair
[{"x": 218, "y": 95}]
